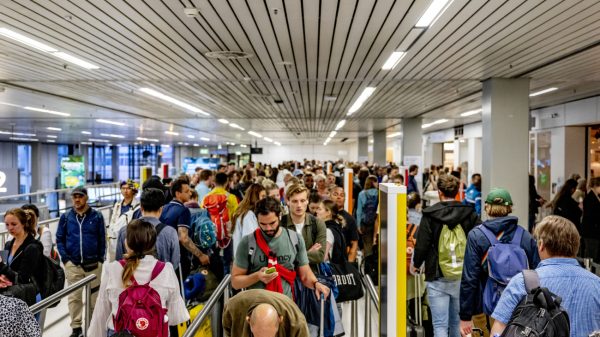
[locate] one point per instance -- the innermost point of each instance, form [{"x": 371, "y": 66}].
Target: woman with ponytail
[
  {"x": 21, "y": 261},
  {"x": 139, "y": 262},
  {"x": 336, "y": 244}
]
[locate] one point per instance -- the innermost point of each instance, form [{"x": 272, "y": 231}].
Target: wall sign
[
  {"x": 9, "y": 181},
  {"x": 72, "y": 171}
]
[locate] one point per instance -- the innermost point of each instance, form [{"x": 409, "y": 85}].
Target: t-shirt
[
  {"x": 350, "y": 231},
  {"x": 330, "y": 240},
  {"x": 299, "y": 227},
  {"x": 175, "y": 214},
  {"x": 286, "y": 255}
]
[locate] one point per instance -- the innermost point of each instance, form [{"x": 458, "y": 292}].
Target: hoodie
[
  {"x": 450, "y": 213},
  {"x": 475, "y": 274}
]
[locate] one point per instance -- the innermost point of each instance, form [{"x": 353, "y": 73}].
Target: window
[{"x": 24, "y": 164}]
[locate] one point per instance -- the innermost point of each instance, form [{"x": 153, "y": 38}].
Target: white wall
[{"x": 273, "y": 154}]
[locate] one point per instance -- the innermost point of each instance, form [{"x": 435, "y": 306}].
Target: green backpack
[{"x": 451, "y": 251}]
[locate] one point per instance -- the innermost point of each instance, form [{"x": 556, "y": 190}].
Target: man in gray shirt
[{"x": 167, "y": 241}]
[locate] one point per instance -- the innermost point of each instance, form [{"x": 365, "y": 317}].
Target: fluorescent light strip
[
  {"x": 439, "y": 121},
  {"x": 75, "y": 60},
  {"x": 332, "y": 134},
  {"x": 98, "y": 140},
  {"x": 205, "y": 139},
  {"x": 51, "y": 136},
  {"x": 104, "y": 121},
  {"x": 395, "y": 134},
  {"x": 196, "y": 144},
  {"x": 393, "y": 60},
  {"x": 340, "y": 124},
  {"x": 233, "y": 125},
  {"x": 255, "y": 134},
  {"x": 53, "y": 128},
  {"x": 175, "y": 101},
  {"x": 268, "y": 139},
  {"x": 86, "y": 143},
  {"x": 17, "y": 133},
  {"x": 86, "y": 132},
  {"x": 470, "y": 113},
  {"x": 191, "y": 136},
  {"x": 52, "y": 112},
  {"x": 224, "y": 121},
  {"x": 50, "y": 141},
  {"x": 172, "y": 133},
  {"x": 26, "y": 40},
  {"x": 361, "y": 99},
  {"x": 111, "y": 135},
  {"x": 277, "y": 143},
  {"x": 24, "y": 139},
  {"x": 165, "y": 145},
  {"x": 179, "y": 143},
  {"x": 435, "y": 10},
  {"x": 243, "y": 145},
  {"x": 541, "y": 92}
]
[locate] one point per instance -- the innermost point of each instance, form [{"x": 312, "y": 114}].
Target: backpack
[
  {"x": 451, "y": 251},
  {"x": 504, "y": 260},
  {"x": 539, "y": 313},
  {"x": 338, "y": 251},
  {"x": 203, "y": 230},
  {"x": 370, "y": 210},
  {"x": 140, "y": 310},
  {"x": 54, "y": 278},
  {"x": 216, "y": 205},
  {"x": 411, "y": 242}
]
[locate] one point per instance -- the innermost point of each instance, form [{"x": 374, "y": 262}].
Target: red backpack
[
  {"x": 411, "y": 230},
  {"x": 216, "y": 205},
  {"x": 140, "y": 310}
]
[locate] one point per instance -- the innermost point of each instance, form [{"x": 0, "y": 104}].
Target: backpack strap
[
  {"x": 252, "y": 245},
  {"x": 491, "y": 238},
  {"x": 159, "y": 228},
  {"x": 158, "y": 267},
  {"x": 532, "y": 280},
  {"x": 516, "y": 240},
  {"x": 295, "y": 241}
]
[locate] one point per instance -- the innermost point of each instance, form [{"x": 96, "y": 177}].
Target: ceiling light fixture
[
  {"x": 105, "y": 121},
  {"x": 541, "y": 92},
  {"x": 393, "y": 60},
  {"x": 75, "y": 60},
  {"x": 340, "y": 124},
  {"x": 165, "y": 145},
  {"x": 395, "y": 134},
  {"x": 52, "y": 112},
  {"x": 361, "y": 99},
  {"x": 268, "y": 139},
  {"x": 179, "y": 143},
  {"x": 433, "y": 12},
  {"x": 277, "y": 143},
  {"x": 255, "y": 134},
  {"x": 470, "y": 113},
  {"x": 196, "y": 144},
  {"x": 224, "y": 121},
  {"x": 205, "y": 139},
  {"x": 175, "y": 101},
  {"x": 191, "y": 136},
  {"x": 86, "y": 132},
  {"x": 50, "y": 141},
  {"x": 111, "y": 135},
  {"x": 439, "y": 121},
  {"x": 172, "y": 133},
  {"x": 24, "y": 139},
  {"x": 243, "y": 145},
  {"x": 332, "y": 134},
  {"x": 51, "y": 136},
  {"x": 233, "y": 125},
  {"x": 86, "y": 143},
  {"x": 53, "y": 128},
  {"x": 98, "y": 140},
  {"x": 17, "y": 133},
  {"x": 26, "y": 40}
]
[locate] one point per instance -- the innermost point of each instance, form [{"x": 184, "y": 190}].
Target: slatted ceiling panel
[
  {"x": 311, "y": 22},
  {"x": 295, "y": 27},
  {"x": 327, "y": 23}
]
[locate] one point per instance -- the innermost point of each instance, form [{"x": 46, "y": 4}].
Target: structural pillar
[
  {"x": 115, "y": 162},
  {"x": 412, "y": 146},
  {"x": 379, "y": 147},
  {"x": 505, "y": 145},
  {"x": 363, "y": 149}
]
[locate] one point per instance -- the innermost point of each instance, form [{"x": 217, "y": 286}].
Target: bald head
[{"x": 264, "y": 321}]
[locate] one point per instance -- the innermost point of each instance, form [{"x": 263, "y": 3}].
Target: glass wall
[
  {"x": 593, "y": 151},
  {"x": 24, "y": 164},
  {"x": 99, "y": 164}
]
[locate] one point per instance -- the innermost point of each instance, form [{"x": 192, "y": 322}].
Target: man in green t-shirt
[{"x": 287, "y": 254}]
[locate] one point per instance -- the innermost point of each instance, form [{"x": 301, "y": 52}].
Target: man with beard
[{"x": 272, "y": 256}]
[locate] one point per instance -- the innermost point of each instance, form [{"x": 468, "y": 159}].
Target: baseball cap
[
  {"x": 499, "y": 196},
  {"x": 79, "y": 190}
]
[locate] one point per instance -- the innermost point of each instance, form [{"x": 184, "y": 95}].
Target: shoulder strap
[
  {"x": 516, "y": 240},
  {"x": 251, "y": 249},
  {"x": 314, "y": 224},
  {"x": 532, "y": 279},
  {"x": 412, "y": 228},
  {"x": 488, "y": 234},
  {"x": 158, "y": 267},
  {"x": 159, "y": 228},
  {"x": 295, "y": 240}
]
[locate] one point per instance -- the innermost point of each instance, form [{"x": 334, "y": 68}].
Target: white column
[
  {"x": 379, "y": 147},
  {"x": 363, "y": 149}
]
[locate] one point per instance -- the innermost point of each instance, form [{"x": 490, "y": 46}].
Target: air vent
[
  {"x": 228, "y": 55},
  {"x": 344, "y": 139}
]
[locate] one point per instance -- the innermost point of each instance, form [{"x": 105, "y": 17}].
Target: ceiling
[{"x": 301, "y": 52}]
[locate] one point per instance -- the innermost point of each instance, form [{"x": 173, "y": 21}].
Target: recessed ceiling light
[
  {"x": 98, "y": 140},
  {"x": 224, "y": 121},
  {"x": 75, "y": 60},
  {"x": 243, "y": 145},
  {"x": 86, "y": 143},
  {"x": 179, "y": 143},
  {"x": 24, "y": 139},
  {"x": 205, "y": 139},
  {"x": 439, "y": 121},
  {"x": 196, "y": 144},
  {"x": 147, "y": 139},
  {"x": 51, "y": 136},
  {"x": 268, "y": 139},
  {"x": 175, "y": 101},
  {"x": 329, "y": 98},
  {"x": 395, "y": 134},
  {"x": 50, "y": 140},
  {"x": 277, "y": 143},
  {"x": 541, "y": 92},
  {"x": 186, "y": 144},
  {"x": 433, "y": 12},
  {"x": 26, "y": 40},
  {"x": 172, "y": 133},
  {"x": 233, "y": 125},
  {"x": 340, "y": 124},
  {"x": 86, "y": 132},
  {"x": 191, "y": 136},
  {"x": 393, "y": 60},
  {"x": 105, "y": 121},
  {"x": 17, "y": 133},
  {"x": 111, "y": 135},
  {"x": 52, "y": 112},
  {"x": 470, "y": 113},
  {"x": 332, "y": 134},
  {"x": 367, "y": 92},
  {"x": 165, "y": 145},
  {"x": 255, "y": 134},
  {"x": 53, "y": 128}
]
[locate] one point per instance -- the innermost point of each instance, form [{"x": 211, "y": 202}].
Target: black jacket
[
  {"x": 27, "y": 262},
  {"x": 450, "y": 213},
  {"x": 568, "y": 208},
  {"x": 590, "y": 226}
]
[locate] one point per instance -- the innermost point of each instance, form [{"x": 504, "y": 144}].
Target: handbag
[
  {"x": 347, "y": 278},
  {"x": 22, "y": 291}
]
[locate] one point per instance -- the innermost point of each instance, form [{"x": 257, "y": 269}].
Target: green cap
[{"x": 499, "y": 196}]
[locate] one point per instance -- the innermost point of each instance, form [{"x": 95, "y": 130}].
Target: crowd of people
[{"x": 284, "y": 230}]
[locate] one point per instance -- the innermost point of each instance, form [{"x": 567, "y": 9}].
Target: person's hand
[
  {"x": 315, "y": 247},
  {"x": 204, "y": 259},
  {"x": 466, "y": 328},
  {"x": 264, "y": 277},
  {"x": 360, "y": 230},
  {"x": 321, "y": 289},
  {"x": 414, "y": 270}
]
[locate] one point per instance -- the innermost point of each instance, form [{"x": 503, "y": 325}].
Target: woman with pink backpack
[{"x": 139, "y": 296}]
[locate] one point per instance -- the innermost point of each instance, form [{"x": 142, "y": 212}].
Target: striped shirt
[{"x": 578, "y": 288}]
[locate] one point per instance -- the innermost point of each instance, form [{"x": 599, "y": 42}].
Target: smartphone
[{"x": 270, "y": 270}]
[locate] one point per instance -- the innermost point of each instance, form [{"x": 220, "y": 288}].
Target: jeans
[{"x": 444, "y": 304}]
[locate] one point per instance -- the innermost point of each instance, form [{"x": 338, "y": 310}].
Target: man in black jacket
[{"x": 448, "y": 216}]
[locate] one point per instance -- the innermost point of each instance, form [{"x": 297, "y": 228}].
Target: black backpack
[
  {"x": 54, "y": 278},
  {"x": 539, "y": 313},
  {"x": 338, "y": 251}
]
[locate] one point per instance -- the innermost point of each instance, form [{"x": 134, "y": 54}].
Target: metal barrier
[
  {"x": 57, "y": 297},
  {"x": 371, "y": 295},
  {"x": 208, "y": 308}
]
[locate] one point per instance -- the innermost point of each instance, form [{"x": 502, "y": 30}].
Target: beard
[{"x": 270, "y": 233}]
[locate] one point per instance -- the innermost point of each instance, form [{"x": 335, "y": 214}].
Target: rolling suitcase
[
  {"x": 322, "y": 320},
  {"x": 414, "y": 327}
]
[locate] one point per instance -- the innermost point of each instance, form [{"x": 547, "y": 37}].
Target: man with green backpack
[{"x": 441, "y": 242}]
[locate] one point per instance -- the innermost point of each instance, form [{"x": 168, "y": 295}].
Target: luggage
[
  {"x": 451, "y": 251},
  {"x": 414, "y": 327},
  {"x": 371, "y": 265},
  {"x": 204, "y": 331}
]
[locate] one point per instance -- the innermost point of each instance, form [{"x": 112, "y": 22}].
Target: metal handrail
[
  {"x": 372, "y": 291},
  {"x": 14, "y": 196},
  {"x": 58, "y": 296},
  {"x": 207, "y": 310}
]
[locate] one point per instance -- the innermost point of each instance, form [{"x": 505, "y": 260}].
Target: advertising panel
[
  {"x": 190, "y": 164},
  {"x": 72, "y": 171}
]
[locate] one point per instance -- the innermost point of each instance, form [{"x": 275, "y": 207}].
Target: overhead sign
[
  {"x": 256, "y": 150},
  {"x": 9, "y": 181},
  {"x": 72, "y": 171}
]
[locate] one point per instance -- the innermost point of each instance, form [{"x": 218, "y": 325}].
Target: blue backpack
[
  {"x": 370, "y": 210},
  {"x": 504, "y": 260},
  {"x": 203, "y": 230}
]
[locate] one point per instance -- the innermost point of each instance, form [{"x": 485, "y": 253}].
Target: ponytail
[
  {"x": 132, "y": 261},
  {"x": 27, "y": 218}
]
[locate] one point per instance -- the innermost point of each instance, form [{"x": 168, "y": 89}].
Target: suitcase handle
[
  {"x": 322, "y": 321},
  {"x": 418, "y": 304}
]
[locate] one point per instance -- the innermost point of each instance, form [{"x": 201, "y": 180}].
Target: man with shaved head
[{"x": 263, "y": 313}]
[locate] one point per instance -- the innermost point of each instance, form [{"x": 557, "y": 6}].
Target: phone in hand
[{"x": 270, "y": 270}]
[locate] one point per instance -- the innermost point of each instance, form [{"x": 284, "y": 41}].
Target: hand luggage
[
  {"x": 205, "y": 329},
  {"x": 414, "y": 327}
]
